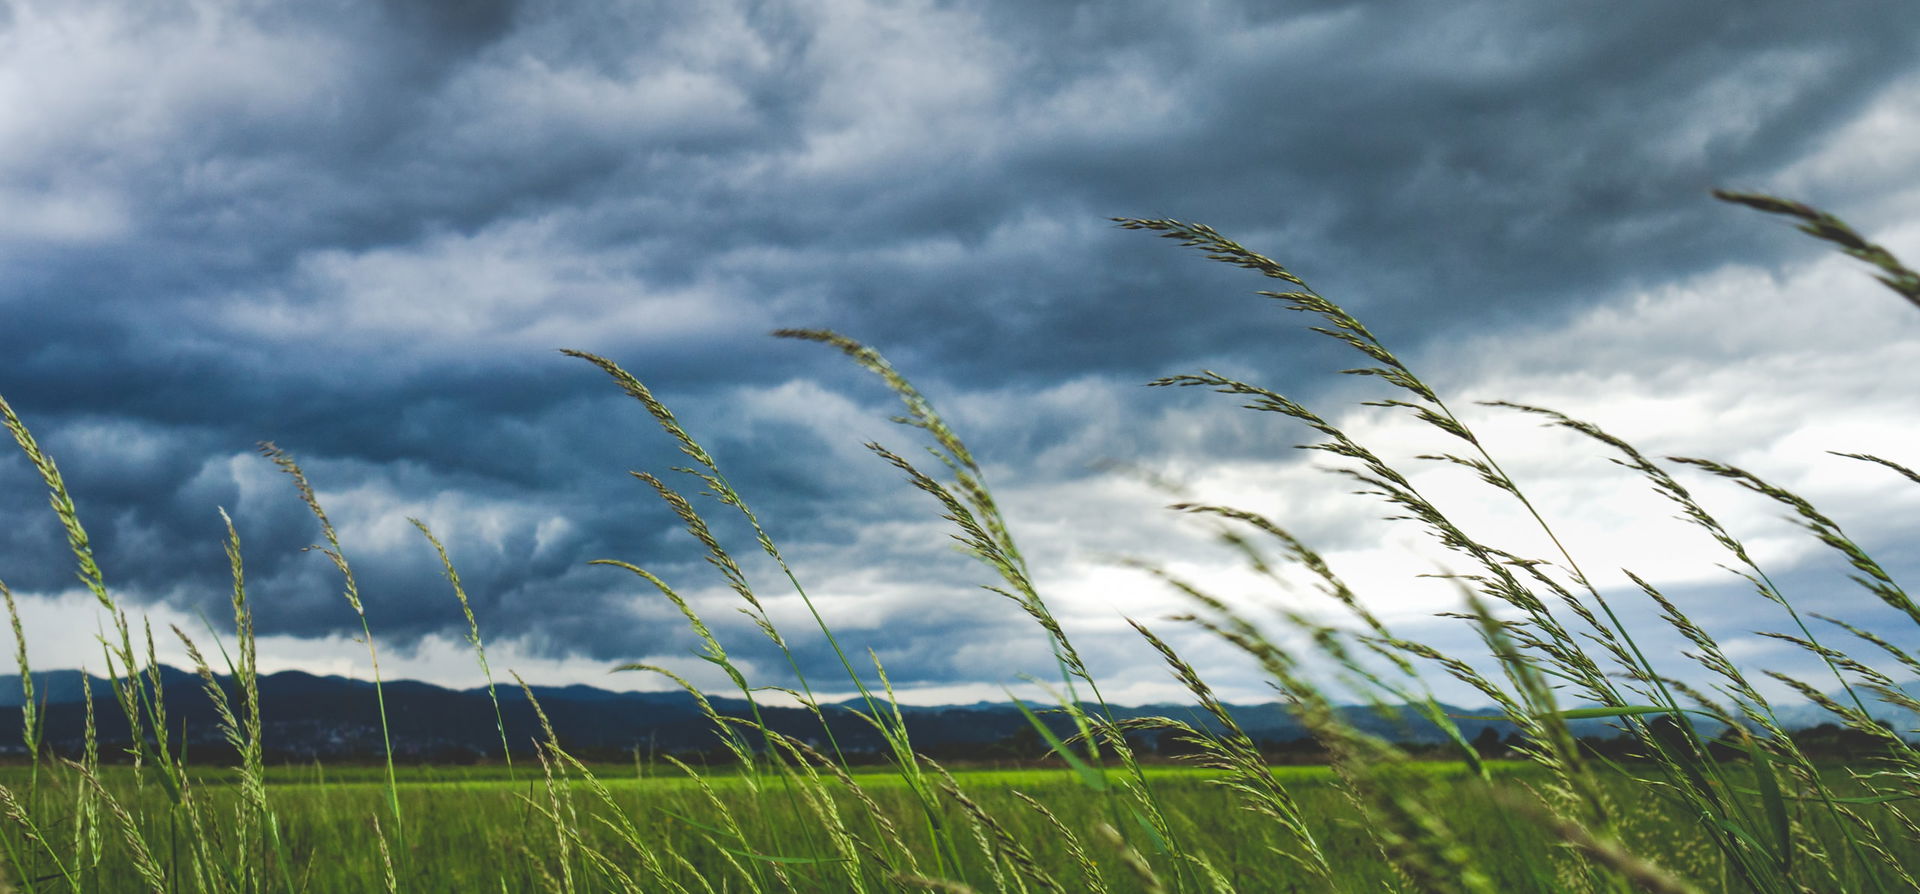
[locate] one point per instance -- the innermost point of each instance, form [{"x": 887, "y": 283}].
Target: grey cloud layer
[{"x": 359, "y": 229}]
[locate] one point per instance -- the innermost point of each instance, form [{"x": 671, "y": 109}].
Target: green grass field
[
  {"x": 1748, "y": 811},
  {"x": 471, "y": 829}
]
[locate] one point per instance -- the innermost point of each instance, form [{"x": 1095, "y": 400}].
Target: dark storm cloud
[{"x": 359, "y": 229}]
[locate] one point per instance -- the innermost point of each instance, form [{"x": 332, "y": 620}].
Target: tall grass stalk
[
  {"x": 351, "y": 592},
  {"x": 29, "y": 706},
  {"x": 473, "y": 638}
]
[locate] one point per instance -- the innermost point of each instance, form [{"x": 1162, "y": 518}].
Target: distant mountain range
[{"x": 306, "y": 717}]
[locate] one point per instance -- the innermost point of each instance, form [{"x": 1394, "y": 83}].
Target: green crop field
[{"x": 1747, "y": 809}]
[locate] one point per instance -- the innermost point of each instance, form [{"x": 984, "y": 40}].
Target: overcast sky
[{"x": 361, "y": 230}]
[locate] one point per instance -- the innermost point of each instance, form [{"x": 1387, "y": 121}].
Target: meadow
[
  {"x": 1749, "y": 810},
  {"x": 479, "y": 830}
]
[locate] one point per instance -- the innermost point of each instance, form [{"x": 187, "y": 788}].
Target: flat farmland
[{"x": 476, "y": 828}]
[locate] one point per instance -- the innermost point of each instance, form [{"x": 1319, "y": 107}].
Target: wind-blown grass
[{"x": 790, "y": 816}]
